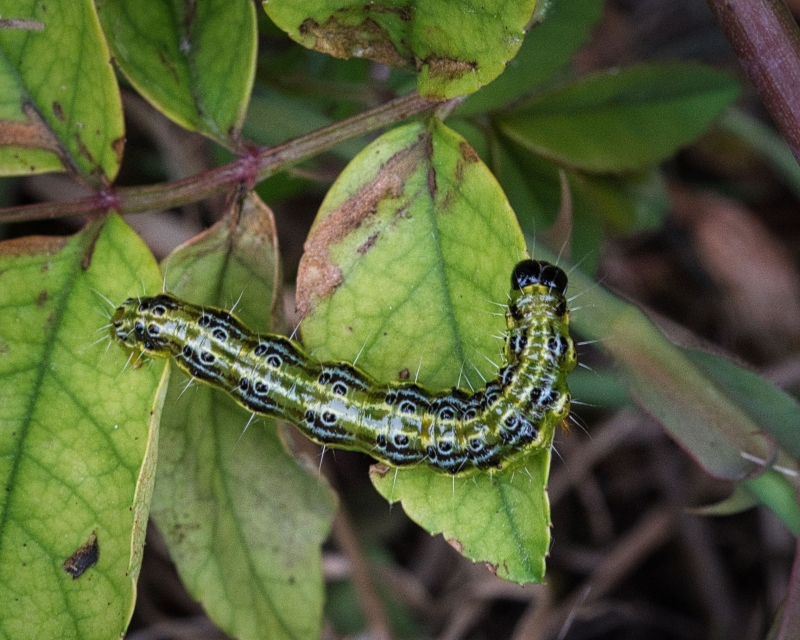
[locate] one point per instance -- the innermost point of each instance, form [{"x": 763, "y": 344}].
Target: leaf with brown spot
[
  {"x": 423, "y": 304},
  {"x": 367, "y": 40},
  {"x": 243, "y": 521},
  {"x": 78, "y": 436},
  {"x": 457, "y": 46},
  {"x": 64, "y": 111},
  {"x": 357, "y": 212},
  {"x": 194, "y": 61}
]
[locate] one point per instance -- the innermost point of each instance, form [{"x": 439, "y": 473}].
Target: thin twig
[
  {"x": 766, "y": 40},
  {"x": 249, "y": 170},
  {"x": 345, "y": 538},
  {"x": 652, "y": 531}
]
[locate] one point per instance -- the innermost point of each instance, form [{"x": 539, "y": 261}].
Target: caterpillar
[{"x": 399, "y": 423}]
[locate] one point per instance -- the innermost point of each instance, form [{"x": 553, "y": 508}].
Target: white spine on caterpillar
[{"x": 398, "y": 423}]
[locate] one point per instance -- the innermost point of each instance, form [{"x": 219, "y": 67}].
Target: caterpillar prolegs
[{"x": 399, "y": 423}]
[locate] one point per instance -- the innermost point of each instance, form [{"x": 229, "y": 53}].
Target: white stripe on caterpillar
[{"x": 399, "y": 423}]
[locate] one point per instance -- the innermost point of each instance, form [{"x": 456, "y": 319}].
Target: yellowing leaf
[
  {"x": 407, "y": 269},
  {"x": 59, "y": 104},
  {"x": 77, "y": 435},
  {"x": 457, "y": 46}
]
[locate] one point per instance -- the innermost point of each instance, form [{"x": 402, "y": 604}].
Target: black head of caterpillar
[{"x": 399, "y": 423}]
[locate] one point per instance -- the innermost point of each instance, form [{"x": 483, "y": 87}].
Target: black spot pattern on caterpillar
[
  {"x": 445, "y": 408},
  {"x": 506, "y": 375},
  {"x": 278, "y": 351},
  {"x": 401, "y": 423},
  {"x": 342, "y": 379},
  {"x": 517, "y": 343}
]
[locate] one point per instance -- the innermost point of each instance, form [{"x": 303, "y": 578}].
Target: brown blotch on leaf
[
  {"x": 431, "y": 177},
  {"x": 84, "y": 557},
  {"x": 364, "y": 40},
  {"x": 369, "y": 243},
  {"x": 459, "y": 172},
  {"x": 58, "y": 111},
  {"x": 42, "y": 297},
  {"x": 432, "y": 188},
  {"x": 118, "y": 146},
  {"x": 317, "y": 276},
  {"x": 32, "y": 134},
  {"x": 83, "y": 149},
  {"x": 31, "y": 245},
  {"x": 467, "y": 152},
  {"x": 456, "y": 544},
  {"x": 404, "y": 374},
  {"x": 22, "y": 23},
  {"x": 379, "y": 470},
  {"x": 449, "y": 68}
]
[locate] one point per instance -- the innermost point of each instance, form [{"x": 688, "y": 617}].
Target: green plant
[{"x": 85, "y": 439}]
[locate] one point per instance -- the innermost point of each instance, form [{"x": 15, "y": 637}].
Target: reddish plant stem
[
  {"x": 250, "y": 169},
  {"x": 766, "y": 39}
]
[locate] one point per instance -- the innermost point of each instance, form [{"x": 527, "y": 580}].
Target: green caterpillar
[{"x": 399, "y": 423}]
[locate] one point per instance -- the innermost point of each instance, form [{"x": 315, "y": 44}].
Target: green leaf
[
  {"x": 503, "y": 520},
  {"x": 624, "y": 120},
  {"x": 775, "y": 491},
  {"x": 194, "y": 61},
  {"x": 415, "y": 208},
  {"x": 702, "y": 401},
  {"x": 273, "y": 118},
  {"x": 407, "y": 270},
  {"x": 59, "y": 105},
  {"x": 626, "y": 204},
  {"x": 766, "y": 142},
  {"x": 690, "y": 405},
  {"x": 455, "y": 46},
  {"x": 775, "y": 411},
  {"x": 77, "y": 435},
  {"x": 242, "y": 519},
  {"x": 739, "y": 501},
  {"x": 547, "y": 48},
  {"x": 532, "y": 183}
]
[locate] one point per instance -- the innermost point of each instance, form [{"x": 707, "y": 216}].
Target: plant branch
[
  {"x": 766, "y": 40},
  {"x": 250, "y": 169}
]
